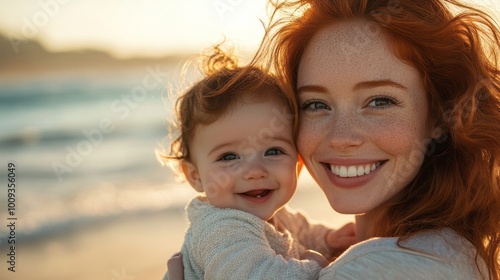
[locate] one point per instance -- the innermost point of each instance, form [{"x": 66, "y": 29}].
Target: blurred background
[
  {"x": 86, "y": 96},
  {"x": 84, "y": 103}
]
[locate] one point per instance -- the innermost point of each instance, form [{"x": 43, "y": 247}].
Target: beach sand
[{"x": 130, "y": 247}]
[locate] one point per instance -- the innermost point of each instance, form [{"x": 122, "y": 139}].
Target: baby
[{"x": 237, "y": 147}]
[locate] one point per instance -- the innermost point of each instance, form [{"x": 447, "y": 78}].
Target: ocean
[
  {"x": 92, "y": 201},
  {"x": 83, "y": 146}
]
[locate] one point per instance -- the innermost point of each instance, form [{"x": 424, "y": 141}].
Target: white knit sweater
[
  {"x": 232, "y": 244},
  {"x": 441, "y": 254}
]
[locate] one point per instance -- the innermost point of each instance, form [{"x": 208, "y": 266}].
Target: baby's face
[{"x": 247, "y": 159}]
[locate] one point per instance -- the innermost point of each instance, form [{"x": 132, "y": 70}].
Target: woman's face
[{"x": 363, "y": 131}]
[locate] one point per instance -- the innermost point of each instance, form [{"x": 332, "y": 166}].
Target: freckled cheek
[
  {"x": 396, "y": 136},
  {"x": 309, "y": 137}
]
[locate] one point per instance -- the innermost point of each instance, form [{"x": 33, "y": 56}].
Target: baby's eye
[
  {"x": 273, "y": 152},
  {"x": 228, "y": 156},
  {"x": 314, "y": 105}
]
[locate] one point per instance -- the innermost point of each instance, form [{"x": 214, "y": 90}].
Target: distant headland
[{"x": 29, "y": 56}]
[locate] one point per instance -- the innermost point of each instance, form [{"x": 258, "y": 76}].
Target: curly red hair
[
  {"x": 223, "y": 85},
  {"x": 455, "y": 47}
]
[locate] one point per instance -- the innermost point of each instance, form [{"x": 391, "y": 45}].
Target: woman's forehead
[{"x": 350, "y": 52}]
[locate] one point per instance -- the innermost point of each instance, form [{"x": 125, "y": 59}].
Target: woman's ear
[
  {"x": 191, "y": 173},
  {"x": 437, "y": 132}
]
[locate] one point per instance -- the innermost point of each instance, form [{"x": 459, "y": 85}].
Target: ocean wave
[
  {"x": 45, "y": 215},
  {"x": 54, "y": 122},
  {"x": 66, "y": 135}
]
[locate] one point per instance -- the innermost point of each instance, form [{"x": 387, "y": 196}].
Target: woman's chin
[{"x": 340, "y": 206}]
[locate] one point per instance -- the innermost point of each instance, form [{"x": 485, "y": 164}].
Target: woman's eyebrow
[
  {"x": 312, "y": 88},
  {"x": 378, "y": 83},
  {"x": 358, "y": 86}
]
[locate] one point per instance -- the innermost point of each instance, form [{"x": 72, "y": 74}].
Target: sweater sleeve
[
  {"x": 427, "y": 257},
  {"x": 390, "y": 265},
  {"x": 310, "y": 235},
  {"x": 238, "y": 249}
]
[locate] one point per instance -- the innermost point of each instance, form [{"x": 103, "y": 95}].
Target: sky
[
  {"x": 132, "y": 27},
  {"x": 128, "y": 28}
]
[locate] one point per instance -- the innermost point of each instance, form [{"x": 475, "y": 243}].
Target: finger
[
  {"x": 347, "y": 230},
  {"x": 343, "y": 243},
  {"x": 315, "y": 256},
  {"x": 175, "y": 267}
]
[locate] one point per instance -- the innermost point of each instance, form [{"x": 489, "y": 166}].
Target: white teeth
[
  {"x": 353, "y": 170},
  {"x": 361, "y": 171},
  {"x": 342, "y": 171},
  {"x": 367, "y": 169}
]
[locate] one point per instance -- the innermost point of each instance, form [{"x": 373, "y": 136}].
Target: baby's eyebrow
[
  {"x": 222, "y": 145},
  {"x": 272, "y": 140},
  {"x": 236, "y": 144},
  {"x": 283, "y": 139}
]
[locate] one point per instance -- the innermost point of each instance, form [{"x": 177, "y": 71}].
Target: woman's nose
[
  {"x": 345, "y": 131},
  {"x": 254, "y": 170}
]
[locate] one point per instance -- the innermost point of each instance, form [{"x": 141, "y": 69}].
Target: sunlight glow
[
  {"x": 127, "y": 28},
  {"x": 147, "y": 28}
]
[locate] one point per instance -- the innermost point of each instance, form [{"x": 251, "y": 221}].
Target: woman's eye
[
  {"x": 273, "y": 152},
  {"x": 382, "y": 102},
  {"x": 314, "y": 105},
  {"x": 227, "y": 157}
]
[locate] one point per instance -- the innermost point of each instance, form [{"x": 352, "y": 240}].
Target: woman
[{"x": 399, "y": 108}]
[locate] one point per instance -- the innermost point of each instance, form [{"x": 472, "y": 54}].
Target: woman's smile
[
  {"x": 349, "y": 171},
  {"x": 352, "y": 176}
]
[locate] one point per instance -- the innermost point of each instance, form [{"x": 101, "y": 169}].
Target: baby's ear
[
  {"x": 191, "y": 173},
  {"x": 300, "y": 164}
]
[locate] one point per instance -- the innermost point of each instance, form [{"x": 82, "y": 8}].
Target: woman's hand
[
  {"x": 175, "y": 267},
  {"x": 341, "y": 239},
  {"x": 315, "y": 256}
]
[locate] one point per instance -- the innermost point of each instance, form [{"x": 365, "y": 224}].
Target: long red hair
[{"x": 457, "y": 56}]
